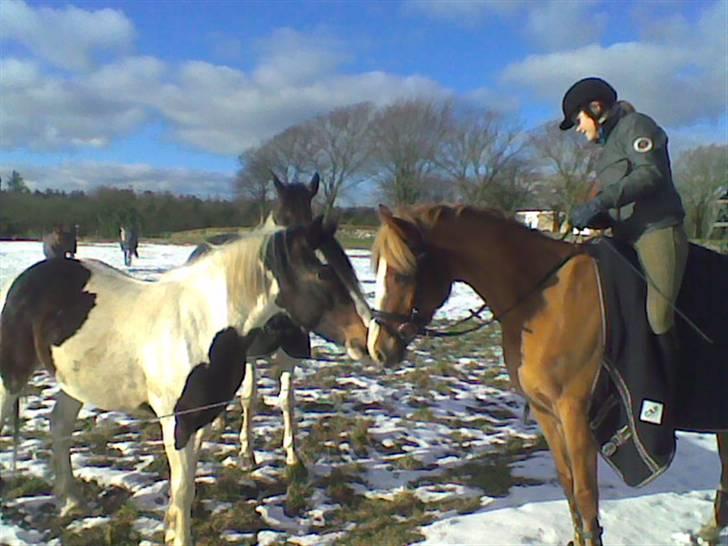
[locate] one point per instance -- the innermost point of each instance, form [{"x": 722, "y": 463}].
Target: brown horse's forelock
[{"x": 389, "y": 245}]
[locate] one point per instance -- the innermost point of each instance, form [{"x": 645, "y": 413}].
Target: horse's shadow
[
  {"x": 146, "y": 273},
  {"x": 695, "y": 467}
]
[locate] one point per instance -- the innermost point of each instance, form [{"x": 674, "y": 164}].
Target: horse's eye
[
  {"x": 325, "y": 274},
  {"x": 401, "y": 278}
]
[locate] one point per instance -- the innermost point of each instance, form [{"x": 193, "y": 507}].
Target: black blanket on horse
[{"x": 629, "y": 397}]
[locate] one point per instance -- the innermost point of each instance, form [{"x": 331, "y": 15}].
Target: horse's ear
[
  {"x": 280, "y": 186},
  {"x": 385, "y": 213},
  {"x": 407, "y": 230},
  {"x": 313, "y": 186}
]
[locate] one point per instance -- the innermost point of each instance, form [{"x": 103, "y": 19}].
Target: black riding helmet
[{"x": 581, "y": 94}]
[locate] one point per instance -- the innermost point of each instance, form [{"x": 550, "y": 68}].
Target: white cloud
[
  {"x": 559, "y": 23},
  {"x": 89, "y": 175},
  {"x": 207, "y": 106},
  {"x": 290, "y": 57},
  {"x": 678, "y": 83},
  {"x": 679, "y": 80},
  {"x": 43, "y": 112},
  {"x": 66, "y": 37}
]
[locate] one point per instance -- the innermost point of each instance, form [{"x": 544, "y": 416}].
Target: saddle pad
[{"x": 629, "y": 399}]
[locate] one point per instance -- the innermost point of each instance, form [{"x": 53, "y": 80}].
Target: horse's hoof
[
  {"x": 248, "y": 463},
  {"x": 709, "y": 534},
  {"x": 72, "y": 505}
]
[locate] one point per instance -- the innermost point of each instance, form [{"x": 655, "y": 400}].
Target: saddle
[{"x": 630, "y": 394}]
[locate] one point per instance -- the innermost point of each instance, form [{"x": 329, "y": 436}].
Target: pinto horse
[
  {"x": 544, "y": 293},
  {"x": 119, "y": 343},
  {"x": 292, "y": 208}
]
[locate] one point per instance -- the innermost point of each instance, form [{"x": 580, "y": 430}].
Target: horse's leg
[
  {"x": 711, "y": 530},
  {"x": 286, "y": 399},
  {"x": 557, "y": 445},
  {"x": 218, "y": 424},
  {"x": 7, "y": 399},
  {"x": 182, "y": 466},
  {"x": 247, "y": 400},
  {"x": 582, "y": 453},
  {"x": 63, "y": 418}
]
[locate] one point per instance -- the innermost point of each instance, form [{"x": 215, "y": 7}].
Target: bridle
[{"x": 407, "y": 327}]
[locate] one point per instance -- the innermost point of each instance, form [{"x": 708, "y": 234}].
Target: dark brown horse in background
[
  {"x": 291, "y": 208},
  {"x": 61, "y": 243},
  {"x": 545, "y": 294}
]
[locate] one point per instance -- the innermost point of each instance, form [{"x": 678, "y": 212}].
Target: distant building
[
  {"x": 547, "y": 220},
  {"x": 541, "y": 219}
]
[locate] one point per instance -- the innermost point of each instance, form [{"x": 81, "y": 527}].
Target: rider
[{"x": 637, "y": 198}]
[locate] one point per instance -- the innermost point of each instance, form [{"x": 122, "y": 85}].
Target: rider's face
[{"x": 587, "y": 126}]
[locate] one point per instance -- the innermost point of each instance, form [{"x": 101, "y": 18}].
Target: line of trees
[
  {"x": 420, "y": 150},
  {"x": 410, "y": 151},
  {"x": 100, "y": 213},
  {"x": 24, "y": 213}
]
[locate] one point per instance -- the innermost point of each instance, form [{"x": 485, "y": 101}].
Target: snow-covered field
[{"x": 435, "y": 449}]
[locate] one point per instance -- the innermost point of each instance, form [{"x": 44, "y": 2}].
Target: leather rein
[{"x": 415, "y": 324}]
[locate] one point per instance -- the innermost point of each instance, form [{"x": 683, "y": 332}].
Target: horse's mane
[
  {"x": 389, "y": 245},
  {"x": 241, "y": 260}
]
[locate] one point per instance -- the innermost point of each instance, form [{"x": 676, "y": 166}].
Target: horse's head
[
  {"x": 412, "y": 283},
  {"x": 293, "y": 206},
  {"x": 317, "y": 285}
]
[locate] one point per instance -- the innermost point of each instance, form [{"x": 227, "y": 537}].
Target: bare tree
[
  {"x": 341, "y": 146},
  {"x": 287, "y": 154},
  {"x": 252, "y": 179},
  {"x": 702, "y": 178},
  {"x": 292, "y": 152},
  {"x": 406, "y": 136},
  {"x": 567, "y": 165},
  {"x": 478, "y": 148},
  {"x": 513, "y": 187}
]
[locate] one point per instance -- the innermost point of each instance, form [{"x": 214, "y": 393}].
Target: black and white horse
[
  {"x": 291, "y": 208},
  {"x": 119, "y": 343},
  {"x": 129, "y": 242}
]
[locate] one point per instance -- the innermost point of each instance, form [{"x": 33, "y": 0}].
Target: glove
[{"x": 583, "y": 215}]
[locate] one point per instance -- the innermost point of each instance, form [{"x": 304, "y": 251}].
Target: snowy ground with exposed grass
[{"x": 434, "y": 450}]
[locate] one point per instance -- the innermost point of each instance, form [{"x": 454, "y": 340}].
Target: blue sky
[{"x": 163, "y": 95}]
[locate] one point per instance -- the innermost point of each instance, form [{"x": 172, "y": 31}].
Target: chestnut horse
[{"x": 543, "y": 292}]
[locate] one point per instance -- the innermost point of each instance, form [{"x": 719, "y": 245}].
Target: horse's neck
[{"x": 501, "y": 260}]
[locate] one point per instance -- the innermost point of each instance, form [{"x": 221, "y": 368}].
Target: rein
[{"x": 383, "y": 318}]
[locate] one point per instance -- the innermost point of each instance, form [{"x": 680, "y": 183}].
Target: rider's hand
[{"x": 583, "y": 215}]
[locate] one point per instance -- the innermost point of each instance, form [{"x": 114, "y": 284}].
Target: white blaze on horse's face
[{"x": 380, "y": 292}]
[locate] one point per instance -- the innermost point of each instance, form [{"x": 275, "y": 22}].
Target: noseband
[{"x": 403, "y": 327}]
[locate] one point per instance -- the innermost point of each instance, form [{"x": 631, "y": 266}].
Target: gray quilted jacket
[{"x": 635, "y": 176}]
